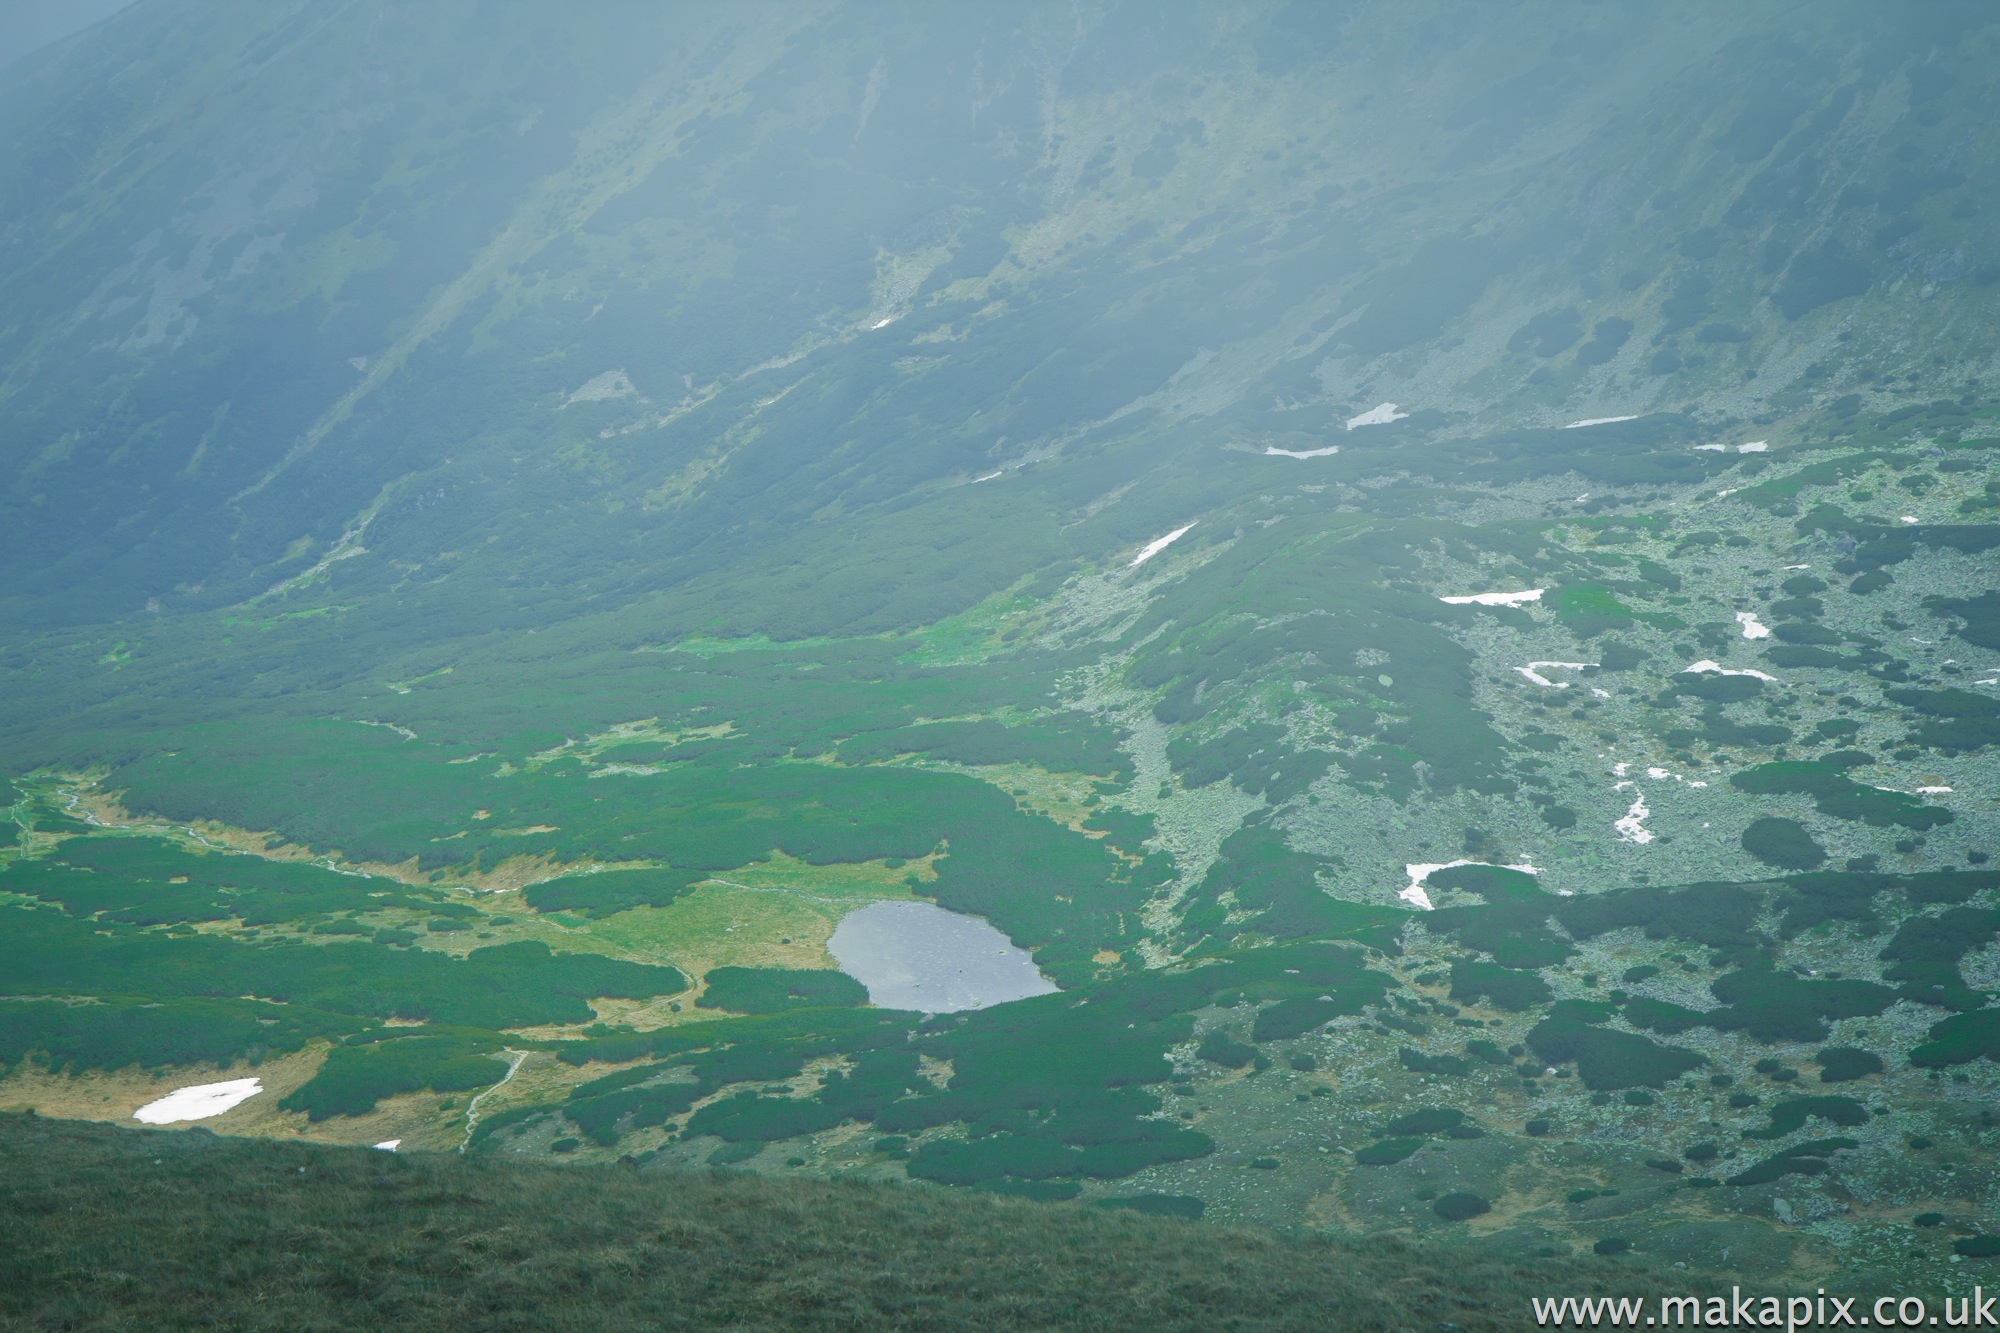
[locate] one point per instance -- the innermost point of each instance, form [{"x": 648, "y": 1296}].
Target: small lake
[{"x": 919, "y": 956}]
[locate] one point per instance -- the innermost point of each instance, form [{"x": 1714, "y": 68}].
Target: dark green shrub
[
  {"x": 1158, "y": 1205},
  {"x": 1298, "y": 1015},
  {"x": 1819, "y": 277},
  {"x": 768, "y": 990},
  {"x": 1607, "y": 336},
  {"x": 1784, "y": 843},
  {"x": 1449, "y": 1066},
  {"x": 117, "y": 1033},
  {"x": 1805, "y": 1159},
  {"x": 610, "y": 891},
  {"x": 603, "y": 1115},
  {"x": 1041, "y": 1191},
  {"x": 1219, "y": 1048},
  {"x": 1716, "y": 688},
  {"x": 1508, "y": 989},
  {"x": 1792, "y": 1114},
  {"x": 1835, "y": 794},
  {"x": 1388, "y": 1152},
  {"x": 355, "y": 1077},
  {"x": 1608, "y": 1061},
  {"x": 1432, "y": 1120},
  {"x": 1844, "y": 1064},
  {"x": 1776, "y": 1006},
  {"x": 765, "y": 1119},
  {"x": 1549, "y": 333},
  {"x": 1660, "y": 1016},
  {"x": 1460, "y": 1206}
]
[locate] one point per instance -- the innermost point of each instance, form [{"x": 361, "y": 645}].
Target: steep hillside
[
  {"x": 731, "y": 303},
  {"x": 108, "y": 1229}
]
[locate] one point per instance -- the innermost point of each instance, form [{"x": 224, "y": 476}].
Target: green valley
[{"x": 1376, "y": 620}]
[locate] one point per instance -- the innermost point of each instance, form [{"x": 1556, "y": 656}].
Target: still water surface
[{"x": 919, "y": 956}]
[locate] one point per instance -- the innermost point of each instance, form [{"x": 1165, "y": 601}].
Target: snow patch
[
  {"x": 1752, "y": 627},
  {"x": 198, "y": 1102},
  {"x": 1633, "y": 828},
  {"x": 1707, "y": 667},
  {"x": 389, "y": 1145},
  {"x": 1275, "y": 452},
  {"x": 1419, "y": 871},
  {"x": 1533, "y": 671},
  {"x": 1599, "y": 421},
  {"x": 1496, "y": 598},
  {"x": 1908, "y": 518},
  {"x": 1754, "y": 447},
  {"x": 1158, "y": 545},
  {"x": 1932, "y": 791},
  {"x": 1379, "y": 415}
]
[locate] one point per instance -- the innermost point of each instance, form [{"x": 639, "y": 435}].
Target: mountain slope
[
  {"x": 754, "y": 286},
  {"x": 1430, "y": 569},
  {"x": 111, "y": 1230}
]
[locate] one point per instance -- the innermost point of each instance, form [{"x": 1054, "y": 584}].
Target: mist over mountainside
[
  {"x": 1424, "y": 571},
  {"x": 701, "y": 290},
  {"x": 34, "y": 24}
]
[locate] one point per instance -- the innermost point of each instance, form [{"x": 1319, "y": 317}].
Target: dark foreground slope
[{"x": 108, "y": 1228}]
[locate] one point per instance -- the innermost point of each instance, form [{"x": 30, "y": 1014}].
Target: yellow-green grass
[{"x": 774, "y": 913}]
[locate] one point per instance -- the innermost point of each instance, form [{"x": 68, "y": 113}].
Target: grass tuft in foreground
[{"x": 109, "y": 1228}]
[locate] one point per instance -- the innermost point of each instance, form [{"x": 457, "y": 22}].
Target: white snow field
[{"x": 198, "y": 1102}]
